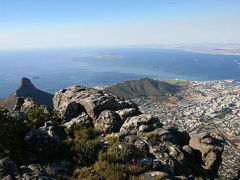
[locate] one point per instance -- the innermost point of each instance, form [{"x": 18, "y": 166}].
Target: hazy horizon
[{"x": 59, "y": 23}]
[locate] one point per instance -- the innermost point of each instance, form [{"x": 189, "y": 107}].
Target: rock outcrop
[
  {"x": 211, "y": 150},
  {"x": 141, "y": 123},
  {"x": 24, "y": 104},
  {"x": 9, "y": 170},
  {"x": 100, "y": 107},
  {"x": 159, "y": 150},
  {"x": 44, "y": 140},
  {"x": 81, "y": 120},
  {"x": 108, "y": 121}
]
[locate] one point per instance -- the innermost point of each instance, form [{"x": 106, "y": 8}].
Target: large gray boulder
[
  {"x": 169, "y": 155},
  {"x": 94, "y": 102},
  {"x": 82, "y": 120},
  {"x": 211, "y": 150},
  {"x": 108, "y": 121},
  {"x": 141, "y": 123},
  {"x": 128, "y": 112},
  {"x": 44, "y": 140}
]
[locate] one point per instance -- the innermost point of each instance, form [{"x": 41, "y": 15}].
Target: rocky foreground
[{"x": 125, "y": 143}]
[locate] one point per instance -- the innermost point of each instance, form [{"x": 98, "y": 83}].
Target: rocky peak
[{"x": 25, "y": 83}]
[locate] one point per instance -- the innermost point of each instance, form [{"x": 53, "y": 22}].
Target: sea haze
[{"x": 51, "y": 70}]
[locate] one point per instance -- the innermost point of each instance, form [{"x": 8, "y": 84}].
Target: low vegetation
[
  {"x": 12, "y": 133},
  {"x": 37, "y": 116},
  {"x": 83, "y": 146},
  {"x": 91, "y": 155}
]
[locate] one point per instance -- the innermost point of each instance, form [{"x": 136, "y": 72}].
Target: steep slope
[
  {"x": 153, "y": 89},
  {"x": 27, "y": 89}
]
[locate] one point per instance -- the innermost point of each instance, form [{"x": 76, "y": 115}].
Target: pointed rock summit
[
  {"x": 27, "y": 89},
  {"x": 25, "y": 83}
]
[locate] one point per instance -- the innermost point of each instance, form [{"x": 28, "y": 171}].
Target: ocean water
[{"x": 56, "y": 69}]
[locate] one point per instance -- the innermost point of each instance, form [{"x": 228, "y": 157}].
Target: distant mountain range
[
  {"x": 149, "y": 88},
  {"x": 27, "y": 89}
]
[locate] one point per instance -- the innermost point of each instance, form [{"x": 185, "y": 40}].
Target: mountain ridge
[
  {"x": 146, "y": 87},
  {"x": 27, "y": 89}
]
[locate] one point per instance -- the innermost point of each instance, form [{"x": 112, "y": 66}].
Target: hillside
[
  {"x": 27, "y": 89},
  {"x": 149, "y": 88}
]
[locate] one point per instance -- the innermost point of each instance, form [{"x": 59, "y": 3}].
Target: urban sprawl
[{"x": 212, "y": 106}]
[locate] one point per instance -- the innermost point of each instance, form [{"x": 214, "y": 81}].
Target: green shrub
[
  {"x": 113, "y": 140},
  {"x": 152, "y": 137},
  {"x": 121, "y": 153},
  {"x": 83, "y": 146},
  {"x": 12, "y": 134},
  {"x": 37, "y": 116},
  {"x": 103, "y": 170}
]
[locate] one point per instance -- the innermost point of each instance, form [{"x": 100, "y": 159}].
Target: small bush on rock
[{"x": 37, "y": 116}]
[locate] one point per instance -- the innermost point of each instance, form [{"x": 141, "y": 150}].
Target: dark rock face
[
  {"x": 19, "y": 116},
  {"x": 7, "y": 168},
  {"x": 26, "y": 89},
  {"x": 45, "y": 140},
  {"x": 210, "y": 148},
  {"x": 10, "y": 171}
]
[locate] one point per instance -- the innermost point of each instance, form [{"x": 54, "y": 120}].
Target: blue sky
[{"x": 57, "y": 23}]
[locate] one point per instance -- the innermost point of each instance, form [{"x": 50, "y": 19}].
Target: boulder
[
  {"x": 23, "y": 104},
  {"x": 81, "y": 120},
  {"x": 153, "y": 175},
  {"x": 10, "y": 171},
  {"x": 68, "y": 102},
  {"x": 7, "y": 168},
  {"x": 211, "y": 150},
  {"x": 169, "y": 155},
  {"x": 128, "y": 112},
  {"x": 19, "y": 116},
  {"x": 141, "y": 123},
  {"x": 164, "y": 135},
  {"x": 35, "y": 167},
  {"x": 145, "y": 163},
  {"x": 44, "y": 140},
  {"x": 142, "y": 146},
  {"x": 192, "y": 155},
  {"x": 108, "y": 121},
  {"x": 181, "y": 138}
]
